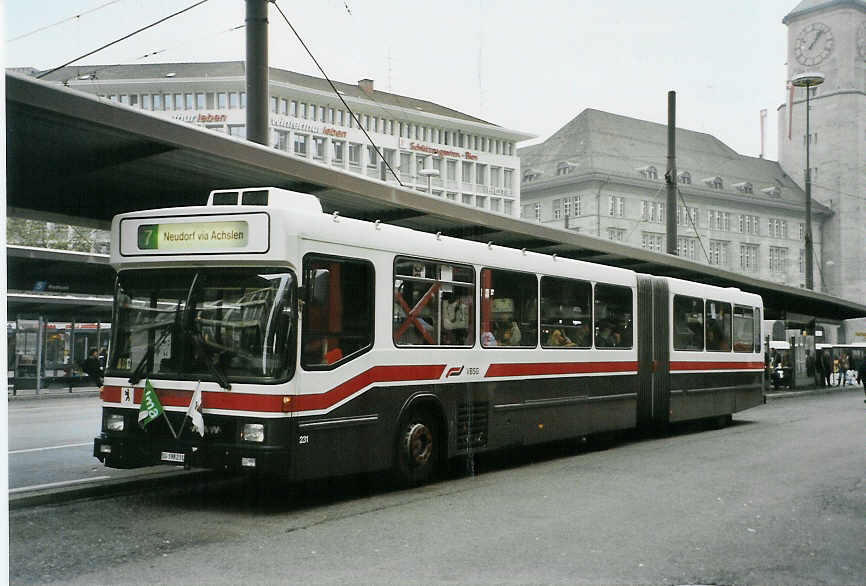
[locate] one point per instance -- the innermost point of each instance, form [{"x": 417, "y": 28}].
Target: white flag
[{"x": 194, "y": 410}]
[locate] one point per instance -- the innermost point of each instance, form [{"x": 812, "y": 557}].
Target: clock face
[
  {"x": 861, "y": 40},
  {"x": 813, "y": 44}
]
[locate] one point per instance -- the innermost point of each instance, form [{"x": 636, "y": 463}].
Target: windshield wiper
[
  {"x": 205, "y": 355},
  {"x": 195, "y": 335}
]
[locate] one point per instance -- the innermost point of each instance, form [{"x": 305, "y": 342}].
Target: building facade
[
  {"x": 464, "y": 159},
  {"x": 829, "y": 37},
  {"x": 603, "y": 175}
]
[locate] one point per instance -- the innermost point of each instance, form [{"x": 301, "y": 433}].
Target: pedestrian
[
  {"x": 826, "y": 367},
  {"x": 861, "y": 375},
  {"x": 819, "y": 370},
  {"x": 843, "y": 369},
  {"x": 92, "y": 369},
  {"x": 810, "y": 364}
]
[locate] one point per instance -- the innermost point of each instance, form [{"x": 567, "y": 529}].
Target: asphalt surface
[
  {"x": 777, "y": 498},
  {"x": 51, "y": 447}
]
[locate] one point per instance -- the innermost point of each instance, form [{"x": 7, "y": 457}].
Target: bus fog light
[
  {"x": 248, "y": 462},
  {"x": 114, "y": 422},
  {"x": 253, "y": 432},
  {"x": 104, "y": 449}
]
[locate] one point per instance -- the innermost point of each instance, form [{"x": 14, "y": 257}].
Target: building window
[
  {"x": 718, "y": 253},
  {"x": 281, "y": 140},
  {"x": 557, "y": 209},
  {"x": 537, "y": 211},
  {"x": 686, "y": 247},
  {"x": 616, "y": 206},
  {"x": 293, "y": 108},
  {"x": 301, "y": 145},
  {"x": 652, "y": 211},
  {"x": 222, "y": 101},
  {"x": 778, "y": 259},
  {"x": 354, "y": 154},
  {"x": 507, "y": 207},
  {"x": 717, "y": 220},
  {"x": 481, "y": 174},
  {"x": 649, "y": 172},
  {"x": 616, "y": 234},
  {"x": 687, "y": 216},
  {"x": 564, "y": 168},
  {"x": 302, "y": 110},
  {"x": 318, "y": 148},
  {"x": 199, "y": 101},
  {"x": 685, "y": 178},
  {"x": 749, "y": 224},
  {"x": 338, "y": 146},
  {"x": 777, "y": 228},
  {"x": 451, "y": 170},
  {"x": 802, "y": 261},
  {"x": 652, "y": 241},
  {"x": 749, "y": 258}
]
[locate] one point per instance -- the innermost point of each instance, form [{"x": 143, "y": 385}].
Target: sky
[{"x": 526, "y": 65}]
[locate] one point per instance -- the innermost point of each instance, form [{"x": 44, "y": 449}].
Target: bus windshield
[{"x": 226, "y": 324}]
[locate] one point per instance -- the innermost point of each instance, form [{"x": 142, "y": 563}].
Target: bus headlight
[
  {"x": 253, "y": 432},
  {"x": 114, "y": 422}
]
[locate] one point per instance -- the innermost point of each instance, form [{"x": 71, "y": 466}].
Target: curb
[
  {"x": 31, "y": 396},
  {"x": 814, "y": 391},
  {"x": 166, "y": 479}
]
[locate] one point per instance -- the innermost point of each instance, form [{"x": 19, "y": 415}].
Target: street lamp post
[{"x": 808, "y": 80}]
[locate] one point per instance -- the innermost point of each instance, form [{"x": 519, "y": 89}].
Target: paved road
[
  {"x": 51, "y": 444},
  {"x": 777, "y": 498}
]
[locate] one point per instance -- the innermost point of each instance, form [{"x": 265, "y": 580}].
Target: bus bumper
[{"x": 121, "y": 452}]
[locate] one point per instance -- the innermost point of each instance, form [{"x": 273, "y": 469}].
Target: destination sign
[{"x": 193, "y": 236}]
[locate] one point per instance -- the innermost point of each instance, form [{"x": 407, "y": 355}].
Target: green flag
[{"x": 151, "y": 408}]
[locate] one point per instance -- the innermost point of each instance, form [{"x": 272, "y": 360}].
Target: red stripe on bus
[
  {"x": 541, "y": 368},
  {"x": 209, "y": 400},
  {"x": 377, "y": 374},
  {"x": 274, "y": 403},
  {"x": 701, "y": 365}
]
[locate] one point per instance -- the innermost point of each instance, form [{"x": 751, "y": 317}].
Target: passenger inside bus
[{"x": 557, "y": 338}]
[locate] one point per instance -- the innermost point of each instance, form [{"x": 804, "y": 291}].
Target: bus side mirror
[{"x": 320, "y": 282}]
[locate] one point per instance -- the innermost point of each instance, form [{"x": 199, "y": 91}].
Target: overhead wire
[
  {"x": 123, "y": 38},
  {"x": 337, "y": 93},
  {"x": 62, "y": 21}
]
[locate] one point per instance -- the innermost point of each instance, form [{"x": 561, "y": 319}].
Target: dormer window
[
  {"x": 744, "y": 187},
  {"x": 531, "y": 175},
  {"x": 773, "y": 191},
  {"x": 649, "y": 172},
  {"x": 715, "y": 182},
  {"x": 684, "y": 177},
  {"x": 564, "y": 167}
]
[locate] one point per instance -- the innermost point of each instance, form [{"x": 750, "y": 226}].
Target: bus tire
[{"x": 418, "y": 448}]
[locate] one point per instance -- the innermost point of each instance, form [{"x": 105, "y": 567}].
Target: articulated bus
[{"x": 322, "y": 345}]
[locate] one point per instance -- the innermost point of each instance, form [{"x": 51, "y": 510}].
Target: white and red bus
[{"x": 324, "y": 345}]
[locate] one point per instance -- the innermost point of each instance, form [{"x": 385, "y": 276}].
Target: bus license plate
[{"x": 172, "y": 457}]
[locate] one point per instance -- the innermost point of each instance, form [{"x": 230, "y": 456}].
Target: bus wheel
[{"x": 417, "y": 449}]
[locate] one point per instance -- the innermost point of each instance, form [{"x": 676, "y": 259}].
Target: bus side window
[
  {"x": 743, "y": 329},
  {"x": 613, "y": 316},
  {"x": 718, "y": 320},
  {"x": 688, "y": 321},
  {"x": 509, "y": 309},
  {"x": 337, "y": 324}
]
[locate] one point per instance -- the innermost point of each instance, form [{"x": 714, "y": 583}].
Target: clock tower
[{"x": 829, "y": 37}]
